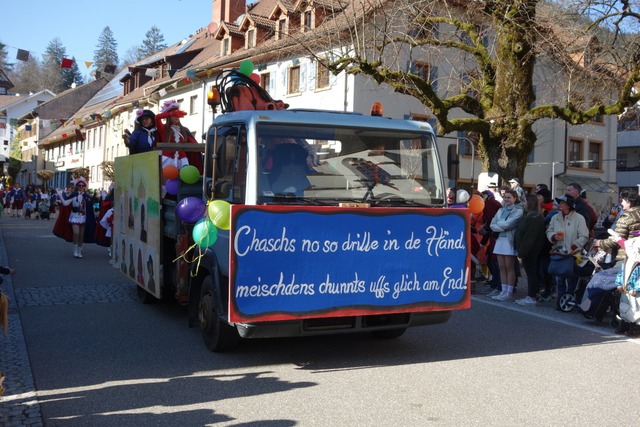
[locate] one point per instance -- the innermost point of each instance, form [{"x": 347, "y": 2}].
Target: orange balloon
[
  {"x": 170, "y": 172},
  {"x": 476, "y": 204}
]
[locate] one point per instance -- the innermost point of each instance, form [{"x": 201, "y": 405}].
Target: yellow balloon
[{"x": 220, "y": 214}]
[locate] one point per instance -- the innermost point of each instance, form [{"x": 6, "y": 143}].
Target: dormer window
[
  {"x": 307, "y": 20},
  {"x": 251, "y": 38},
  {"x": 225, "y": 46},
  {"x": 282, "y": 28}
]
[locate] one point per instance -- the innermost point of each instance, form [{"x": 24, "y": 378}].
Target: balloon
[
  {"x": 190, "y": 209},
  {"x": 189, "y": 174},
  {"x": 170, "y": 172},
  {"x": 255, "y": 77},
  {"x": 219, "y": 213},
  {"x": 476, "y": 204},
  {"x": 246, "y": 67},
  {"x": 204, "y": 233},
  {"x": 172, "y": 186}
]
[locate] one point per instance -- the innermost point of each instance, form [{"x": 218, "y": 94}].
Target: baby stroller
[{"x": 43, "y": 209}]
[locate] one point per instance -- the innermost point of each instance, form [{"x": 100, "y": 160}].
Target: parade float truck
[{"x": 303, "y": 222}]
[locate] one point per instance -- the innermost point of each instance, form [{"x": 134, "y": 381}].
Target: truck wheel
[
  {"x": 389, "y": 333},
  {"x": 218, "y": 336}
]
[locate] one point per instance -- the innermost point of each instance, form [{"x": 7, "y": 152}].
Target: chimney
[{"x": 227, "y": 10}]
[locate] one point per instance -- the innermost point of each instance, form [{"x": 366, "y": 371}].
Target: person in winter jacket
[
  {"x": 144, "y": 136},
  {"x": 529, "y": 241},
  {"x": 504, "y": 223},
  {"x": 628, "y": 222},
  {"x": 568, "y": 233}
]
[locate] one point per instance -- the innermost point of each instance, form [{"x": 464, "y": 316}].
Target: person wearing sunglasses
[{"x": 82, "y": 217}]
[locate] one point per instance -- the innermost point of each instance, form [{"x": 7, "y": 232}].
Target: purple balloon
[
  {"x": 190, "y": 209},
  {"x": 172, "y": 186}
]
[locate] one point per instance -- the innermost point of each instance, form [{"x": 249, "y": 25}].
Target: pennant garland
[
  {"x": 22, "y": 55},
  {"x": 88, "y": 63},
  {"x": 191, "y": 74},
  {"x": 77, "y": 121},
  {"x": 66, "y": 63},
  {"x": 172, "y": 72}
]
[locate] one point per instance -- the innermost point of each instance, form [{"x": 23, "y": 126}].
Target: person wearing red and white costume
[{"x": 171, "y": 130}]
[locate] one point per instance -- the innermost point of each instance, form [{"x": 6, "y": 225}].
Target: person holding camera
[{"x": 82, "y": 219}]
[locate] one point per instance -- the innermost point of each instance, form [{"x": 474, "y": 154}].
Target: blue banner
[{"x": 312, "y": 262}]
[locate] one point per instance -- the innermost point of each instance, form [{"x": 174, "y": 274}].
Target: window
[
  {"x": 225, "y": 46},
  {"x": 322, "y": 76},
  {"x": 193, "y": 104},
  {"x": 575, "y": 152},
  {"x": 251, "y": 34},
  {"x": 595, "y": 155},
  {"x": 307, "y": 20},
  {"x": 282, "y": 28},
  {"x": 294, "y": 79},
  {"x": 265, "y": 81}
]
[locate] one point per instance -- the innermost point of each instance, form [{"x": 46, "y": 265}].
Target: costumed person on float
[
  {"x": 82, "y": 219},
  {"x": 173, "y": 131},
  {"x": 144, "y": 136}
]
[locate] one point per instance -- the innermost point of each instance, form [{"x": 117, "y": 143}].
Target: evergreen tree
[
  {"x": 107, "y": 50},
  {"x": 153, "y": 43},
  {"x": 71, "y": 75},
  {"x": 4, "y": 64}
]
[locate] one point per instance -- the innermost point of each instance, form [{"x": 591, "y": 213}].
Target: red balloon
[
  {"x": 255, "y": 77},
  {"x": 476, "y": 204}
]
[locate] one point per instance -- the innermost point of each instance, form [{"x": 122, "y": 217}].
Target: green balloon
[
  {"x": 246, "y": 67},
  {"x": 204, "y": 233},
  {"x": 189, "y": 174},
  {"x": 219, "y": 213}
]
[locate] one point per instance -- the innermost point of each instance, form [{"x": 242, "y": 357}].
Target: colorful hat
[
  {"x": 170, "y": 106},
  {"x": 144, "y": 113}
]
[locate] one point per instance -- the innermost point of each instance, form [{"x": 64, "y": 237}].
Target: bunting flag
[
  {"x": 162, "y": 92},
  {"x": 175, "y": 85},
  {"x": 79, "y": 135},
  {"x": 77, "y": 121},
  {"x": 13, "y": 122},
  {"x": 93, "y": 116},
  {"x": 23, "y": 55},
  {"x": 46, "y": 124},
  {"x": 209, "y": 72},
  {"x": 172, "y": 73},
  {"x": 109, "y": 69},
  {"x": 27, "y": 128},
  {"x": 136, "y": 104},
  {"x": 66, "y": 63},
  {"x": 151, "y": 72},
  {"x": 191, "y": 74},
  {"x": 88, "y": 63}
]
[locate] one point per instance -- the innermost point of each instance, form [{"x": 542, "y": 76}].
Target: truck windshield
[{"x": 324, "y": 165}]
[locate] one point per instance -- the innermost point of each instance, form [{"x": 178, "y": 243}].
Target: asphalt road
[{"x": 98, "y": 357}]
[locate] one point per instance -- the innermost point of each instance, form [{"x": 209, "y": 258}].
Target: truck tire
[{"x": 218, "y": 336}]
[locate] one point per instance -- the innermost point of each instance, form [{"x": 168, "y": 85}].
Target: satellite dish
[{"x": 212, "y": 27}]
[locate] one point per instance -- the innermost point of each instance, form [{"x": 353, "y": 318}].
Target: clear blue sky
[{"x": 78, "y": 24}]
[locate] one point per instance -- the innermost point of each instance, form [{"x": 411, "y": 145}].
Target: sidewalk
[{"x": 18, "y": 405}]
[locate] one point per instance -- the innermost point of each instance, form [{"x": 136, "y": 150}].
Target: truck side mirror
[{"x": 453, "y": 162}]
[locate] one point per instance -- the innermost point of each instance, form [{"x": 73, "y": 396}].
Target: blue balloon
[{"x": 190, "y": 209}]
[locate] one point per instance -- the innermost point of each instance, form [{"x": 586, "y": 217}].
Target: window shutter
[
  {"x": 303, "y": 77},
  {"x": 313, "y": 76}
]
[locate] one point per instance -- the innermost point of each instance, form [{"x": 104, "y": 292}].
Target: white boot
[
  {"x": 75, "y": 251},
  {"x": 79, "y": 251}
]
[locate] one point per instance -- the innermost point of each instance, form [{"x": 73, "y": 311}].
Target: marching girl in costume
[
  {"x": 173, "y": 131},
  {"x": 81, "y": 220}
]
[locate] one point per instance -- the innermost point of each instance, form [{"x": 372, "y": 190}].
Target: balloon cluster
[{"x": 208, "y": 218}]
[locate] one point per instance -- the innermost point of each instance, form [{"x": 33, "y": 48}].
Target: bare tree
[{"x": 506, "y": 63}]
